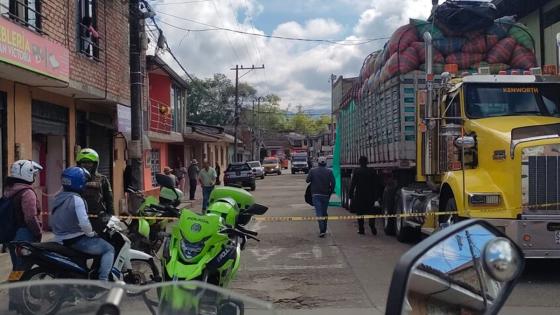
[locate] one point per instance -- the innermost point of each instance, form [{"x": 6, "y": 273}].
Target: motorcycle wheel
[
  {"x": 39, "y": 300},
  {"x": 142, "y": 273}
]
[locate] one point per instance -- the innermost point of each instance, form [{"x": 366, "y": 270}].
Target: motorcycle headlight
[{"x": 191, "y": 250}]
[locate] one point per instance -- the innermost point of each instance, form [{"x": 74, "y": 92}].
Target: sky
[{"x": 299, "y": 72}]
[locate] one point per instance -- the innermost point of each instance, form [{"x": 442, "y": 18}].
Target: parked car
[
  {"x": 272, "y": 166},
  {"x": 258, "y": 169},
  {"x": 240, "y": 174}
]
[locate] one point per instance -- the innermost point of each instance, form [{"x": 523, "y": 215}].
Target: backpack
[{"x": 9, "y": 216}]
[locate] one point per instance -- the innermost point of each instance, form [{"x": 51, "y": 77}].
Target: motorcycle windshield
[{"x": 47, "y": 297}]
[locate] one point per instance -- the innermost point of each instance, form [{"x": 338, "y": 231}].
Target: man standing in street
[
  {"x": 207, "y": 178},
  {"x": 322, "y": 186},
  {"x": 365, "y": 189},
  {"x": 192, "y": 172}
]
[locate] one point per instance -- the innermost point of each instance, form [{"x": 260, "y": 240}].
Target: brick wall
[{"x": 61, "y": 25}]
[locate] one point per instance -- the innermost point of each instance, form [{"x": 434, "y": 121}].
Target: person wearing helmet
[
  {"x": 70, "y": 223},
  {"x": 27, "y": 209},
  {"x": 97, "y": 193}
]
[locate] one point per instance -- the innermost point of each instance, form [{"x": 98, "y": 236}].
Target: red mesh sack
[
  {"x": 408, "y": 60},
  {"x": 501, "y": 52},
  {"x": 523, "y": 58},
  {"x": 402, "y": 38},
  {"x": 421, "y": 52},
  {"x": 475, "y": 45},
  {"x": 491, "y": 41},
  {"x": 464, "y": 60}
]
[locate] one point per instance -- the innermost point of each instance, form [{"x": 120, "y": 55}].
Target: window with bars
[
  {"x": 88, "y": 37},
  {"x": 155, "y": 165},
  {"x": 25, "y": 12}
]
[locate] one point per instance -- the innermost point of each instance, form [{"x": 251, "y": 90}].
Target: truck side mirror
[{"x": 467, "y": 268}]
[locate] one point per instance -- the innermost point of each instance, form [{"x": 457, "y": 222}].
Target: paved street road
[
  {"x": 345, "y": 272},
  {"x": 296, "y": 270}
]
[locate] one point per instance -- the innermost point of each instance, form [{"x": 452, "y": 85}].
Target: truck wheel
[
  {"x": 405, "y": 234},
  {"x": 293, "y": 172},
  {"x": 253, "y": 187}
]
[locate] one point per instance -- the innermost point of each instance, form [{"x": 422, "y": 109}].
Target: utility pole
[
  {"x": 256, "y": 127},
  {"x": 136, "y": 83},
  {"x": 236, "y": 111}
]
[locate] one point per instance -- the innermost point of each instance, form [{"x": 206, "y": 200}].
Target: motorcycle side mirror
[
  {"x": 165, "y": 181},
  {"x": 467, "y": 268},
  {"x": 256, "y": 209}
]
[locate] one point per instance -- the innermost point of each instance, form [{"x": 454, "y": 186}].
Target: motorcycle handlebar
[{"x": 245, "y": 231}]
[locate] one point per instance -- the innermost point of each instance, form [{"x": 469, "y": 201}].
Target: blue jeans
[
  {"x": 321, "y": 203},
  {"x": 206, "y": 191},
  {"x": 22, "y": 234},
  {"x": 99, "y": 247}
]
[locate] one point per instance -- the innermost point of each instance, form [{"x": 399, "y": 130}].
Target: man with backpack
[{"x": 19, "y": 207}]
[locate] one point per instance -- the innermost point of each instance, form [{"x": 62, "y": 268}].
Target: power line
[
  {"x": 229, "y": 39},
  {"x": 217, "y": 28},
  {"x": 183, "y": 2}
]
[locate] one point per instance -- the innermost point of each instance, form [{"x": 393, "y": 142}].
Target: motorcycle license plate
[{"x": 15, "y": 275}]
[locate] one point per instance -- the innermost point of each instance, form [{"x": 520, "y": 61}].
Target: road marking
[
  {"x": 300, "y": 205},
  {"x": 265, "y": 253},
  {"x": 288, "y": 267}
]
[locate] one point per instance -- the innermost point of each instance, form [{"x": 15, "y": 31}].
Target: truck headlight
[{"x": 491, "y": 199}]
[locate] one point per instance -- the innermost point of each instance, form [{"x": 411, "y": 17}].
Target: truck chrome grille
[{"x": 540, "y": 179}]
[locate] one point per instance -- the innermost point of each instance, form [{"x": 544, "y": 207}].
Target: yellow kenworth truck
[{"x": 480, "y": 144}]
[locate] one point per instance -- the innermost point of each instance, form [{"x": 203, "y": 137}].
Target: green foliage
[{"x": 212, "y": 101}]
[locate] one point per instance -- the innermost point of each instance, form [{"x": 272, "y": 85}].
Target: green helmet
[{"x": 87, "y": 154}]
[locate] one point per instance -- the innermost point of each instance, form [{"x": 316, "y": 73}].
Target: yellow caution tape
[{"x": 262, "y": 218}]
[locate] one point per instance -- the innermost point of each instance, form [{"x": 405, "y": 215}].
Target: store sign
[
  {"x": 124, "y": 120},
  {"x": 28, "y": 50}
]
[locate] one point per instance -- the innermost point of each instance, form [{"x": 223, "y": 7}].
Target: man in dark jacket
[
  {"x": 97, "y": 193},
  {"x": 365, "y": 189},
  {"x": 322, "y": 186},
  {"x": 192, "y": 172}
]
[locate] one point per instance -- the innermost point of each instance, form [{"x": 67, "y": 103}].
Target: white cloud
[{"x": 298, "y": 72}]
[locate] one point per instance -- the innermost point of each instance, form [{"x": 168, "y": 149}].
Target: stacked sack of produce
[{"x": 503, "y": 46}]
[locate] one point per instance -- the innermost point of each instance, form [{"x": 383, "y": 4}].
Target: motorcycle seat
[{"x": 63, "y": 250}]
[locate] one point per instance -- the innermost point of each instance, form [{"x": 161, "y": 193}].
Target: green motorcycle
[
  {"x": 146, "y": 233},
  {"x": 207, "y": 247}
]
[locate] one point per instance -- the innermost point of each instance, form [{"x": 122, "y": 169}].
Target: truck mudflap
[{"x": 538, "y": 238}]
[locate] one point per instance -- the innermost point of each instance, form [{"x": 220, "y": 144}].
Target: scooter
[
  {"x": 53, "y": 260},
  {"x": 207, "y": 247}
]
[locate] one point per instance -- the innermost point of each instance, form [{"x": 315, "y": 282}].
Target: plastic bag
[
  {"x": 424, "y": 26},
  {"x": 501, "y": 27},
  {"x": 522, "y": 35}
]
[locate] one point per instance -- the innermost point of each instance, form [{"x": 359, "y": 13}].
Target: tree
[{"x": 304, "y": 124}]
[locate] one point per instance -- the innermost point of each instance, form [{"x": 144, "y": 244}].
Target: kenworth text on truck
[{"x": 482, "y": 142}]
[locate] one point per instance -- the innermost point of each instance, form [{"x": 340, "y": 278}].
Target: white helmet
[{"x": 25, "y": 170}]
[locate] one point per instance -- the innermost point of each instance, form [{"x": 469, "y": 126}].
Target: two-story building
[{"x": 64, "y": 67}]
